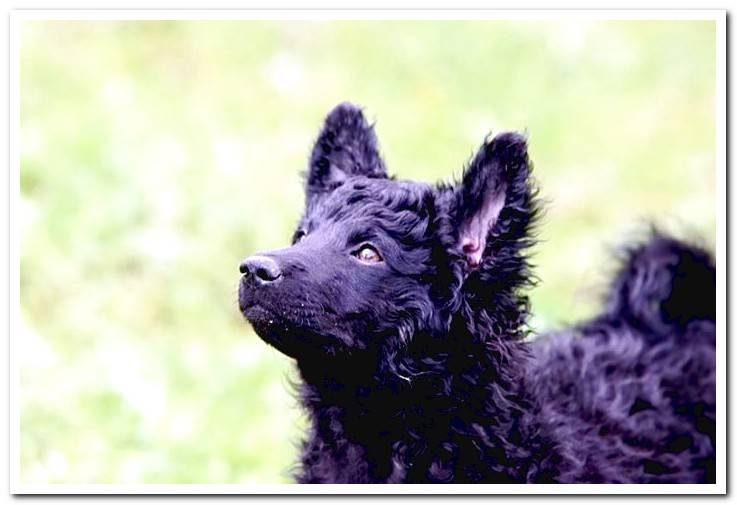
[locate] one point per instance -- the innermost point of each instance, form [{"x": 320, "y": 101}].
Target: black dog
[{"x": 404, "y": 307}]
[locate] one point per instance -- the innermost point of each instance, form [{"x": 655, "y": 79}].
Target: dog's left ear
[
  {"x": 494, "y": 199},
  {"x": 345, "y": 147}
]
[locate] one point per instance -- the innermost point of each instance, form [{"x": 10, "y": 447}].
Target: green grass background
[{"x": 156, "y": 155}]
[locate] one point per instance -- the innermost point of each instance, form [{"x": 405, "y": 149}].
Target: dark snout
[
  {"x": 260, "y": 270},
  {"x": 266, "y": 298},
  {"x": 260, "y": 284},
  {"x": 290, "y": 299},
  {"x": 255, "y": 298}
]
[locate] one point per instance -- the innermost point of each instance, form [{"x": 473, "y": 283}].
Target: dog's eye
[
  {"x": 367, "y": 254},
  {"x": 298, "y": 235}
]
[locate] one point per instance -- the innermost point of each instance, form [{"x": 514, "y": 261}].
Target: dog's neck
[{"x": 430, "y": 396}]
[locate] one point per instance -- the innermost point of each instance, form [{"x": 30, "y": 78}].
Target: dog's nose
[{"x": 262, "y": 269}]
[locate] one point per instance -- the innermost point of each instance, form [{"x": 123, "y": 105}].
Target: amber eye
[
  {"x": 367, "y": 254},
  {"x": 298, "y": 235}
]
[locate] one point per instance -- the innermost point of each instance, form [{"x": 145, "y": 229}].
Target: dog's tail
[{"x": 663, "y": 287}]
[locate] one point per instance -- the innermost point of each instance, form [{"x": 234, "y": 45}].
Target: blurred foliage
[{"x": 155, "y": 155}]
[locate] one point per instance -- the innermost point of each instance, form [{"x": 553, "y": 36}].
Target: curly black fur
[{"x": 414, "y": 364}]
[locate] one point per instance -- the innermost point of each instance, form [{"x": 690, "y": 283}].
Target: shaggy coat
[{"x": 404, "y": 307}]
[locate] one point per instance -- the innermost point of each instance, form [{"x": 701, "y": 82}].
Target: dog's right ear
[
  {"x": 495, "y": 200},
  {"x": 345, "y": 147}
]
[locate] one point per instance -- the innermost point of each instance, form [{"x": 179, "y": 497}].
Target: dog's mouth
[
  {"x": 292, "y": 326},
  {"x": 272, "y": 328},
  {"x": 294, "y": 336}
]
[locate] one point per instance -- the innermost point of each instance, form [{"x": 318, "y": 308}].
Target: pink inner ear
[
  {"x": 472, "y": 250},
  {"x": 475, "y": 229}
]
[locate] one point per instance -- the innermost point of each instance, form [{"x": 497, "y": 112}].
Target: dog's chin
[
  {"x": 296, "y": 341},
  {"x": 272, "y": 329}
]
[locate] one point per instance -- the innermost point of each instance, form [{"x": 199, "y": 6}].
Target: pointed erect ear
[
  {"x": 495, "y": 197},
  {"x": 346, "y": 147}
]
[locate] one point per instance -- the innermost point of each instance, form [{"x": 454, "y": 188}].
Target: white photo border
[{"x": 18, "y": 17}]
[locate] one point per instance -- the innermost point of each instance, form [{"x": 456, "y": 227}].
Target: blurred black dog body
[{"x": 404, "y": 307}]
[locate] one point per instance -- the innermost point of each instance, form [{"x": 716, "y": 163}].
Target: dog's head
[{"x": 375, "y": 261}]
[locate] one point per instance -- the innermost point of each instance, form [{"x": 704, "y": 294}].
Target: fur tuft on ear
[
  {"x": 345, "y": 147},
  {"x": 495, "y": 196}
]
